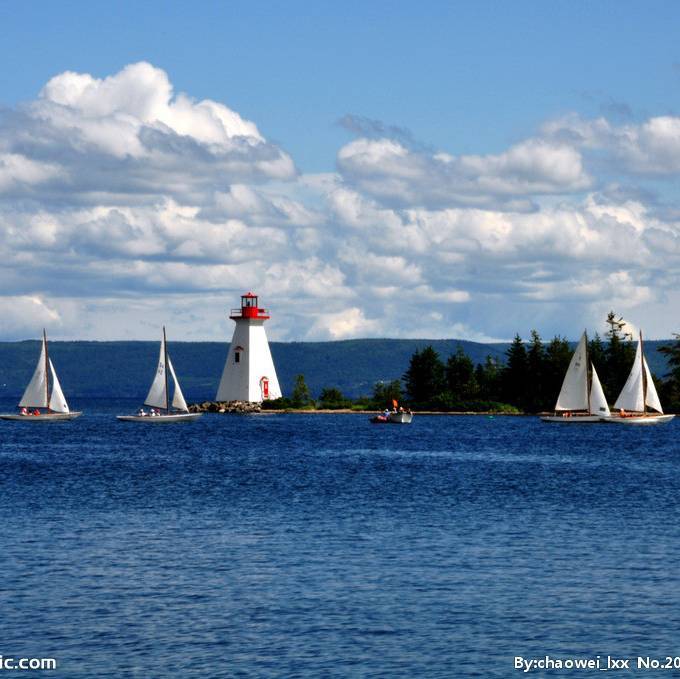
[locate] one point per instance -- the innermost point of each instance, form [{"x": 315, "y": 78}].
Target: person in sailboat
[
  {"x": 43, "y": 391},
  {"x": 164, "y": 406},
  {"x": 581, "y": 399}
]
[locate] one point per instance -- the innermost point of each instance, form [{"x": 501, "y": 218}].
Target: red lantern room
[{"x": 249, "y": 309}]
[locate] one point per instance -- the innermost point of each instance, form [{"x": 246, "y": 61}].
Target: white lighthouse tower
[{"x": 249, "y": 373}]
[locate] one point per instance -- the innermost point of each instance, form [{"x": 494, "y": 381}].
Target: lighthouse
[{"x": 249, "y": 373}]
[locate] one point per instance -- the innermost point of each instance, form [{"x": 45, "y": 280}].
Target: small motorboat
[
  {"x": 402, "y": 417},
  {"x": 393, "y": 417}
]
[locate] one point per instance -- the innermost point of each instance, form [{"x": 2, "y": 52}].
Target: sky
[{"x": 386, "y": 169}]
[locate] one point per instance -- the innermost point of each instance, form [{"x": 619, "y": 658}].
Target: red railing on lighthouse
[{"x": 249, "y": 309}]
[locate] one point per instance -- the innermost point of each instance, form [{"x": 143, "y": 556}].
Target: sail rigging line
[
  {"x": 47, "y": 371},
  {"x": 644, "y": 376},
  {"x": 589, "y": 377},
  {"x": 165, "y": 351}
]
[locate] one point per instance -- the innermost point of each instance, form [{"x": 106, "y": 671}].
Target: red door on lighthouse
[{"x": 264, "y": 385}]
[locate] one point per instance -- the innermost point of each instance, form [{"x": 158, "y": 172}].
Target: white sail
[
  {"x": 178, "y": 397},
  {"x": 157, "y": 396},
  {"x": 598, "y": 402},
  {"x": 57, "y": 400},
  {"x": 652, "y": 399},
  {"x": 631, "y": 397},
  {"x": 35, "y": 395},
  {"x": 574, "y": 392}
]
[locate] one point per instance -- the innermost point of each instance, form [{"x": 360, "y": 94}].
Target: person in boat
[
  {"x": 141, "y": 412},
  {"x": 24, "y": 411},
  {"x": 36, "y": 412},
  {"x": 154, "y": 412},
  {"x": 386, "y": 414}
]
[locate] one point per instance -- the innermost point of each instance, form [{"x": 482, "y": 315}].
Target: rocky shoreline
[{"x": 225, "y": 407}]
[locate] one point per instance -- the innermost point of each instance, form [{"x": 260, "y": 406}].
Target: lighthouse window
[{"x": 237, "y": 357}]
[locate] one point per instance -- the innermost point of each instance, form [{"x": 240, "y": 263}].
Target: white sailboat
[
  {"x": 158, "y": 397},
  {"x": 638, "y": 394},
  {"x": 39, "y": 395},
  {"x": 577, "y": 403}
]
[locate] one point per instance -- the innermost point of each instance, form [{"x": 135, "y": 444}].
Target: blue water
[{"x": 322, "y": 545}]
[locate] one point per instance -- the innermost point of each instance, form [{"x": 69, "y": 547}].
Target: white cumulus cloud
[
  {"x": 124, "y": 204},
  {"x": 391, "y": 172},
  {"x": 651, "y": 147},
  {"x": 25, "y": 316}
]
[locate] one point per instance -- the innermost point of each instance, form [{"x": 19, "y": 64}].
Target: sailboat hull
[
  {"x": 573, "y": 419},
  {"x": 43, "y": 417},
  {"x": 160, "y": 419},
  {"x": 642, "y": 420}
]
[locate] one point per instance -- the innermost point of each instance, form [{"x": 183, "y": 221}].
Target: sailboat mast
[
  {"x": 644, "y": 375},
  {"x": 47, "y": 372},
  {"x": 165, "y": 359},
  {"x": 589, "y": 376}
]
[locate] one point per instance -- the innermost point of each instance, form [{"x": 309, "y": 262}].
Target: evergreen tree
[
  {"x": 424, "y": 378},
  {"x": 300, "y": 396},
  {"x": 460, "y": 377},
  {"x": 332, "y": 398},
  {"x": 384, "y": 393},
  {"x": 597, "y": 353},
  {"x": 620, "y": 355},
  {"x": 670, "y": 389},
  {"x": 515, "y": 373},
  {"x": 536, "y": 368},
  {"x": 487, "y": 377},
  {"x": 558, "y": 354}
]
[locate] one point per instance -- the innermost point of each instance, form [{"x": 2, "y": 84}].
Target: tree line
[
  {"x": 529, "y": 379},
  {"x": 531, "y": 376},
  {"x": 331, "y": 398}
]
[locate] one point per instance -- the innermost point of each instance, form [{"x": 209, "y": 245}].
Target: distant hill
[{"x": 125, "y": 369}]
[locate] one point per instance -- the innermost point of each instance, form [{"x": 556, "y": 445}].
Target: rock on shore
[{"x": 225, "y": 407}]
